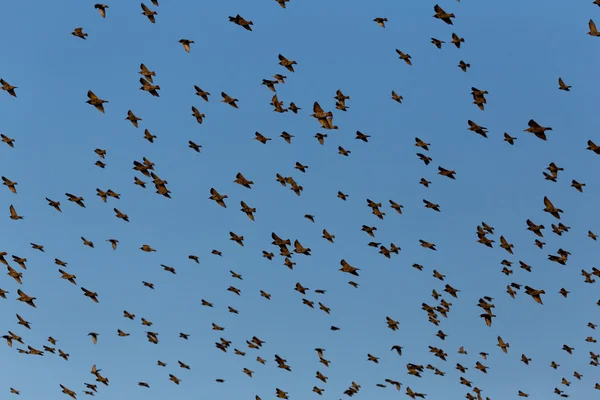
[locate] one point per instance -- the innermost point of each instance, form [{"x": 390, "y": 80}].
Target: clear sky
[{"x": 517, "y": 51}]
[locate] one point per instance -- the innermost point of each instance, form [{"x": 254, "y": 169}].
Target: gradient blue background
[{"x": 516, "y": 49}]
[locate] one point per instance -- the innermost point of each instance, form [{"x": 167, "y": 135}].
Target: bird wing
[{"x": 317, "y": 108}]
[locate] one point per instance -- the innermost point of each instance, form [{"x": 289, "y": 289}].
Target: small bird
[
  {"x": 481, "y": 130},
  {"x": 404, "y": 56},
  {"x": 78, "y": 32},
  {"x": 218, "y": 198},
  {"x": 146, "y": 73},
  {"x": 95, "y": 101},
  {"x": 443, "y": 15},
  {"x": 229, "y": 100},
  {"x": 270, "y": 84},
  {"x": 186, "y": 44},
  {"x": 362, "y": 136},
  {"x": 457, "y": 40},
  {"x": 238, "y": 20},
  {"x": 13, "y": 214},
  {"x": 5, "y": 139},
  {"x": 131, "y": 117},
  {"x": 201, "y": 93},
  {"x": 102, "y": 9},
  {"x": 550, "y": 209},
  {"x": 464, "y": 66},
  {"x": 26, "y": 298},
  {"x": 537, "y": 129},
  {"x": 289, "y": 64},
  {"x": 198, "y": 115},
  {"x": 149, "y": 13},
  {"x": 397, "y": 97},
  {"x": 446, "y": 172},
  {"x": 148, "y": 87},
  {"x": 381, "y": 21},
  {"x": 121, "y": 215},
  {"x": 593, "y": 30},
  {"x": 562, "y": 85},
  {"x": 92, "y": 295},
  {"x": 194, "y": 146},
  {"x": 437, "y": 43},
  {"x": 9, "y": 184},
  {"x": 509, "y": 139},
  {"x": 11, "y": 90},
  {"x": 578, "y": 186}
]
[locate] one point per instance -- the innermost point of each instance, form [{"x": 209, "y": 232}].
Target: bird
[
  {"x": 593, "y": 31},
  {"x": 464, "y": 66},
  {"x": 238, "y": 20},
  {"x": 509, "y": 139},
  {"x": 9, "y": 184},
  {"x": 101, "y": 8},
  {"x": 562, "y": 85},
  {"x": 404, "y": 56},
  {"x": 437, "y": 43},
  {"x": 457, "y": 40},
  {"x": 186, "y": 44},
  {"x": 537, "y": 129},
  {"x": 550, "y": 209},
  {"x": 10, "y": 89},
  {"x": 13, "y": 214},
  {"x": 443, "y": 15},
  {"x": 96, "y": 101},
  {"x": 78, "y": 32},
  {"x": 288, "y": 64},
  {"x": 229, "y": 100},
  {"x": 149, "y": 13},
  {"x": 201, "y": 93},
  {"x": 146, "y": 73}
]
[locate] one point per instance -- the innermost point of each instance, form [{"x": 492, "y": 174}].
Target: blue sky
[{"x": 517, "y": 51}]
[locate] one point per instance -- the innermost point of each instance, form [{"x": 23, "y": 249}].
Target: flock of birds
[{"x": 290, "y": 249}]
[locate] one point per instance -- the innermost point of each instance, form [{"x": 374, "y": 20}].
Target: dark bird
[
  {"x": 457, "y": 40},
  {"x": 132, "y": 118},
  {"x": 11, "y": 90},
  {"x": 13, "y": 214},
  {"x": 238, "y": 20},
  {"x": 437, "y": 43},
  {"x": 381, "y": 21},
  {"x": 229, "y": 100},
  {"x": 404, "y": 56},
  {"x": 219, "y": 199},
  {"x": 186, "y": 44},
  {"x": 509, "y": 139},
  {"x": 149, "y": 13},
  {"x": 537, "y": 129},
  {"x": 549, "y": 208},
  {"x": 482, "y": 130},
  {"x": 286, "y": 63},
  {"x": 78, "y": 32},
  {"x": 593, "y": 30},
  {"x": 102, "y": 9},
  {"x": 146, "y": 73},
  {"x": 9, "y": 184},
  {"x": 562, "y": 86},
  {"x": 464, "y": 66},
  {"x": 95, "y": 101},
  {"x": 397, "y": 97},
  {"x": 443, "y": 15},
  {"x": 201, "y": 93}
]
